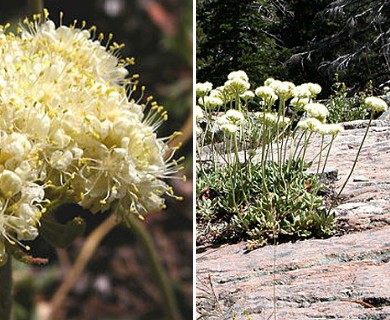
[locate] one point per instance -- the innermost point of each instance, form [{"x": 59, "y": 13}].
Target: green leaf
[{"x": 61, "y": 235}]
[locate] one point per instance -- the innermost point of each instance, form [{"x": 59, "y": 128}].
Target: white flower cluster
[
  {"x": 375, "y": 104},
  {"x": 67, "y": 120},
  {"x": 273, "y": 89},
  {"x": 231, "y": 121}
]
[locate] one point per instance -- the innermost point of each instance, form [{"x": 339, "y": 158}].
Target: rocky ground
[{"x": 343, "y": 277}]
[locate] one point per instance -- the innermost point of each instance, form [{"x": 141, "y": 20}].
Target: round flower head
[
  {"x": 237, "y": 86},
  {"x": 283, "y": 89},
  {"x": 329, "y": 129},
  {"x": 310, "y": 124},
  {"x": 235, "y": 117},
  {"x": 268, "y": 82},
  {"x": 375, "y": 104},
  {"x": 317, "y": 110},
  {"x": 299, "y": 103},
  {"x": 267, "y": 94},
  {"x": 229, "y": 128},
  {"x": 307, "y": 90},
  {"x": 202, "y": 89},
  {"x": 314, "y": 88},
  {"x": 69, "y": 120},
  {"x": 238, "y": 74},
  {"x": 210, "y": 102},
  {"x": 247, "y": 95}
]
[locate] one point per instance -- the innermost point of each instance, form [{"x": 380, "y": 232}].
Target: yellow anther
[{"x": 46, "y": 13}]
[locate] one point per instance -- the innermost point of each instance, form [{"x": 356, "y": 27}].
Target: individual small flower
[
  {"x": 235, "y": 117},
  {"x": 237, "y": 86},
  {"x": 10, "y": 184},
  {"x": 266, "y": 93},
  {"x": 247, "y": 95},
  {"x": 238, "y": 74},
  {"x": 203, "y": 88},
  {"x": 317, "y": 110},
  {"x": 210, "y": 103},
  {"x": 375, "y": 104},
  {"x": 199, "y": 114},
  {"x": 310, "y": 124}
]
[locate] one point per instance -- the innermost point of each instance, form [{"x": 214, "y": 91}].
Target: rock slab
[{"x": 344, "y": 277}]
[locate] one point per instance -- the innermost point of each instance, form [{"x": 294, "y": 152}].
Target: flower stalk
[{"x": 161, "y": 277}]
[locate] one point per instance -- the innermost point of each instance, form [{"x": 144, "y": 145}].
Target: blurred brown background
[{"x": 117, "y": 283}]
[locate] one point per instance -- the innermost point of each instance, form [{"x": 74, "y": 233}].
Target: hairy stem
[{"x": 158, "y": 271}]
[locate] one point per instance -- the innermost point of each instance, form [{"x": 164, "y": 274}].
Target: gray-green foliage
[{"x": 290, "y": 209}]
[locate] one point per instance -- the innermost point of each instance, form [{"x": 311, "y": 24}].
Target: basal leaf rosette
[{"x": 69, "y": 120}]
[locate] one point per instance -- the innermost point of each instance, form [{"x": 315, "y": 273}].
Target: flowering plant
[
  {"x": 73, "y": 129},
  {"x": 259, "y": 161}
]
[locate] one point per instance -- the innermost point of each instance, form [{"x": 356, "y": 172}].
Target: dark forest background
[{"x": 296, "y": 40}]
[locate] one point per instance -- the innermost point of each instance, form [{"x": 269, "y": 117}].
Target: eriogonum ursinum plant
[
  {"x": 260, "y": 159},
  {"x": 71, "y": 121}
]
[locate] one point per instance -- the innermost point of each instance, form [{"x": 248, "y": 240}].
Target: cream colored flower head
[
  {"x": 247, "y": 95},
  {"x": 210, "y": 103},
  {"x": 229, "y": 128},
  {"x": 203, "y": 89},
  {"x": 317, "y": 110},
  {"x": 375, "y": 104},
  {"x": 310, "y": 124},
  {"x": 238, "y": 74},
  {"x": 307, "y": 90},
  {"x": 329, "y": 129},
  {"x": 283, "y": 89},
  {"x": 300, "y": 103},
  {"x": 267, "y": 94},
  {"x": 70, "y": 118},
  {"x": 235, "y": 117},
  {"x": 237, "y": 86}
]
